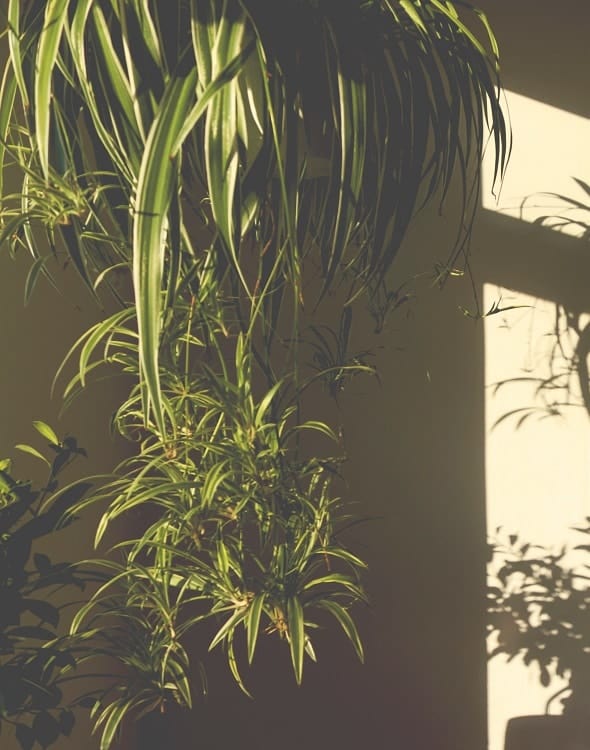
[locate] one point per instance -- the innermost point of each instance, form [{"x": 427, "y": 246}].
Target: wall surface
[
  {"x": 416, "y": 442},
  {"x": 34, "y": 340},
  {"x": 537, "y": 458}
]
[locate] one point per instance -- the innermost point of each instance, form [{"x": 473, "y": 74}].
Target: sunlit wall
[{"x": 537, "y": 436}]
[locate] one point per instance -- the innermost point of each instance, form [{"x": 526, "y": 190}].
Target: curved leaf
[
  {"x": 55, "y": 17},
  {"x": 155, "y": 187}
]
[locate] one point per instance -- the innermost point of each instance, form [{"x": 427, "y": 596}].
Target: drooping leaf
[
  {"x": 49, "y": 39},
  {"x": 296, "y": 635},
  {"x": 154, "y": 188}
]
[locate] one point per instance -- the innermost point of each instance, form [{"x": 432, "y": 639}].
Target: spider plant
[
  {"x": 149, "y": 137},
  {"x": 240, "y": 162},
  {"x": 234, "y": 522}
]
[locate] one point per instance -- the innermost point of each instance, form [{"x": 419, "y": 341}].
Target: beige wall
[
  {"x": 537, "y": 475},
  {"x": 34, "y": 340},
  {"x": 417, "y": 447}
]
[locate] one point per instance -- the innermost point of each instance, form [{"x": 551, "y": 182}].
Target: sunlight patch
[{"x": 548, "y": 176}]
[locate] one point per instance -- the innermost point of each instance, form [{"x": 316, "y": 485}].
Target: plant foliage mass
[{"x": 221, "y": 168}]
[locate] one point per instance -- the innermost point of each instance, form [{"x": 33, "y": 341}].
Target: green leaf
[
  {"x": 351, "y": 102},
  {"x": 14, "y": 42},
  {"x": 322, "y": 427},
  {"x": 265, "y": 404},
  {"x": 93, "y": 337},
  {"x": 296, "y": 635},
  {"x": 222, "y": 559},
  {"x": 346, "y": 622},
  {"x": 446, "y": 9},
  {"x": 78, "y": 46},
  {"x": 309, "y": 649},
  {"x": 37, "y": 267},
  {"x": 7, "y": 96},
  {"x": 32, "y": 451},
  {"x": 221, "y": 140},
  {"x": 253, "y": 623},
  {"x": 214, "y": 478},
  {"x": 49, "y": 39},
  {"x": 129, "y": 127},
  {"x": 46, "y": 431},
  {"x": 338, "y": 579},
  {"x": 344, "y": 554},
  {"x": 112, "y": 716},
  {"x": 155, "y": 186},
  {"x": 227, "y": 627},
  {"x": 227, "y": 74},
  {"x": 410, "y": 9},
  {"x": 233, "y": 664}
]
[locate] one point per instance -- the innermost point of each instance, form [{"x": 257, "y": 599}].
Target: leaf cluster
[
  {"x": 33, "y": 658},
  {"x": 235, "y": 523}
]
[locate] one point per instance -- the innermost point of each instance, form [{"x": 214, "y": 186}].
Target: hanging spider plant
[
  {"x": 160, "y": 134},
  {"x": 241, "y": 160}
]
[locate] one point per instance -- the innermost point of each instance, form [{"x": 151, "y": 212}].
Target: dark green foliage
[{"x": 32, "y": 656}]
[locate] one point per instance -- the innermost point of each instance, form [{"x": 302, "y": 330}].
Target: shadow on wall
[
  {"x": 560, "y": 380},
  {"x": 539, "y": 611},
  {"x": 538, "y": 597}
]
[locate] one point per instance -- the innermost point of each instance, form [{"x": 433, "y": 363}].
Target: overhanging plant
[{"x": 240, "y": 162}]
